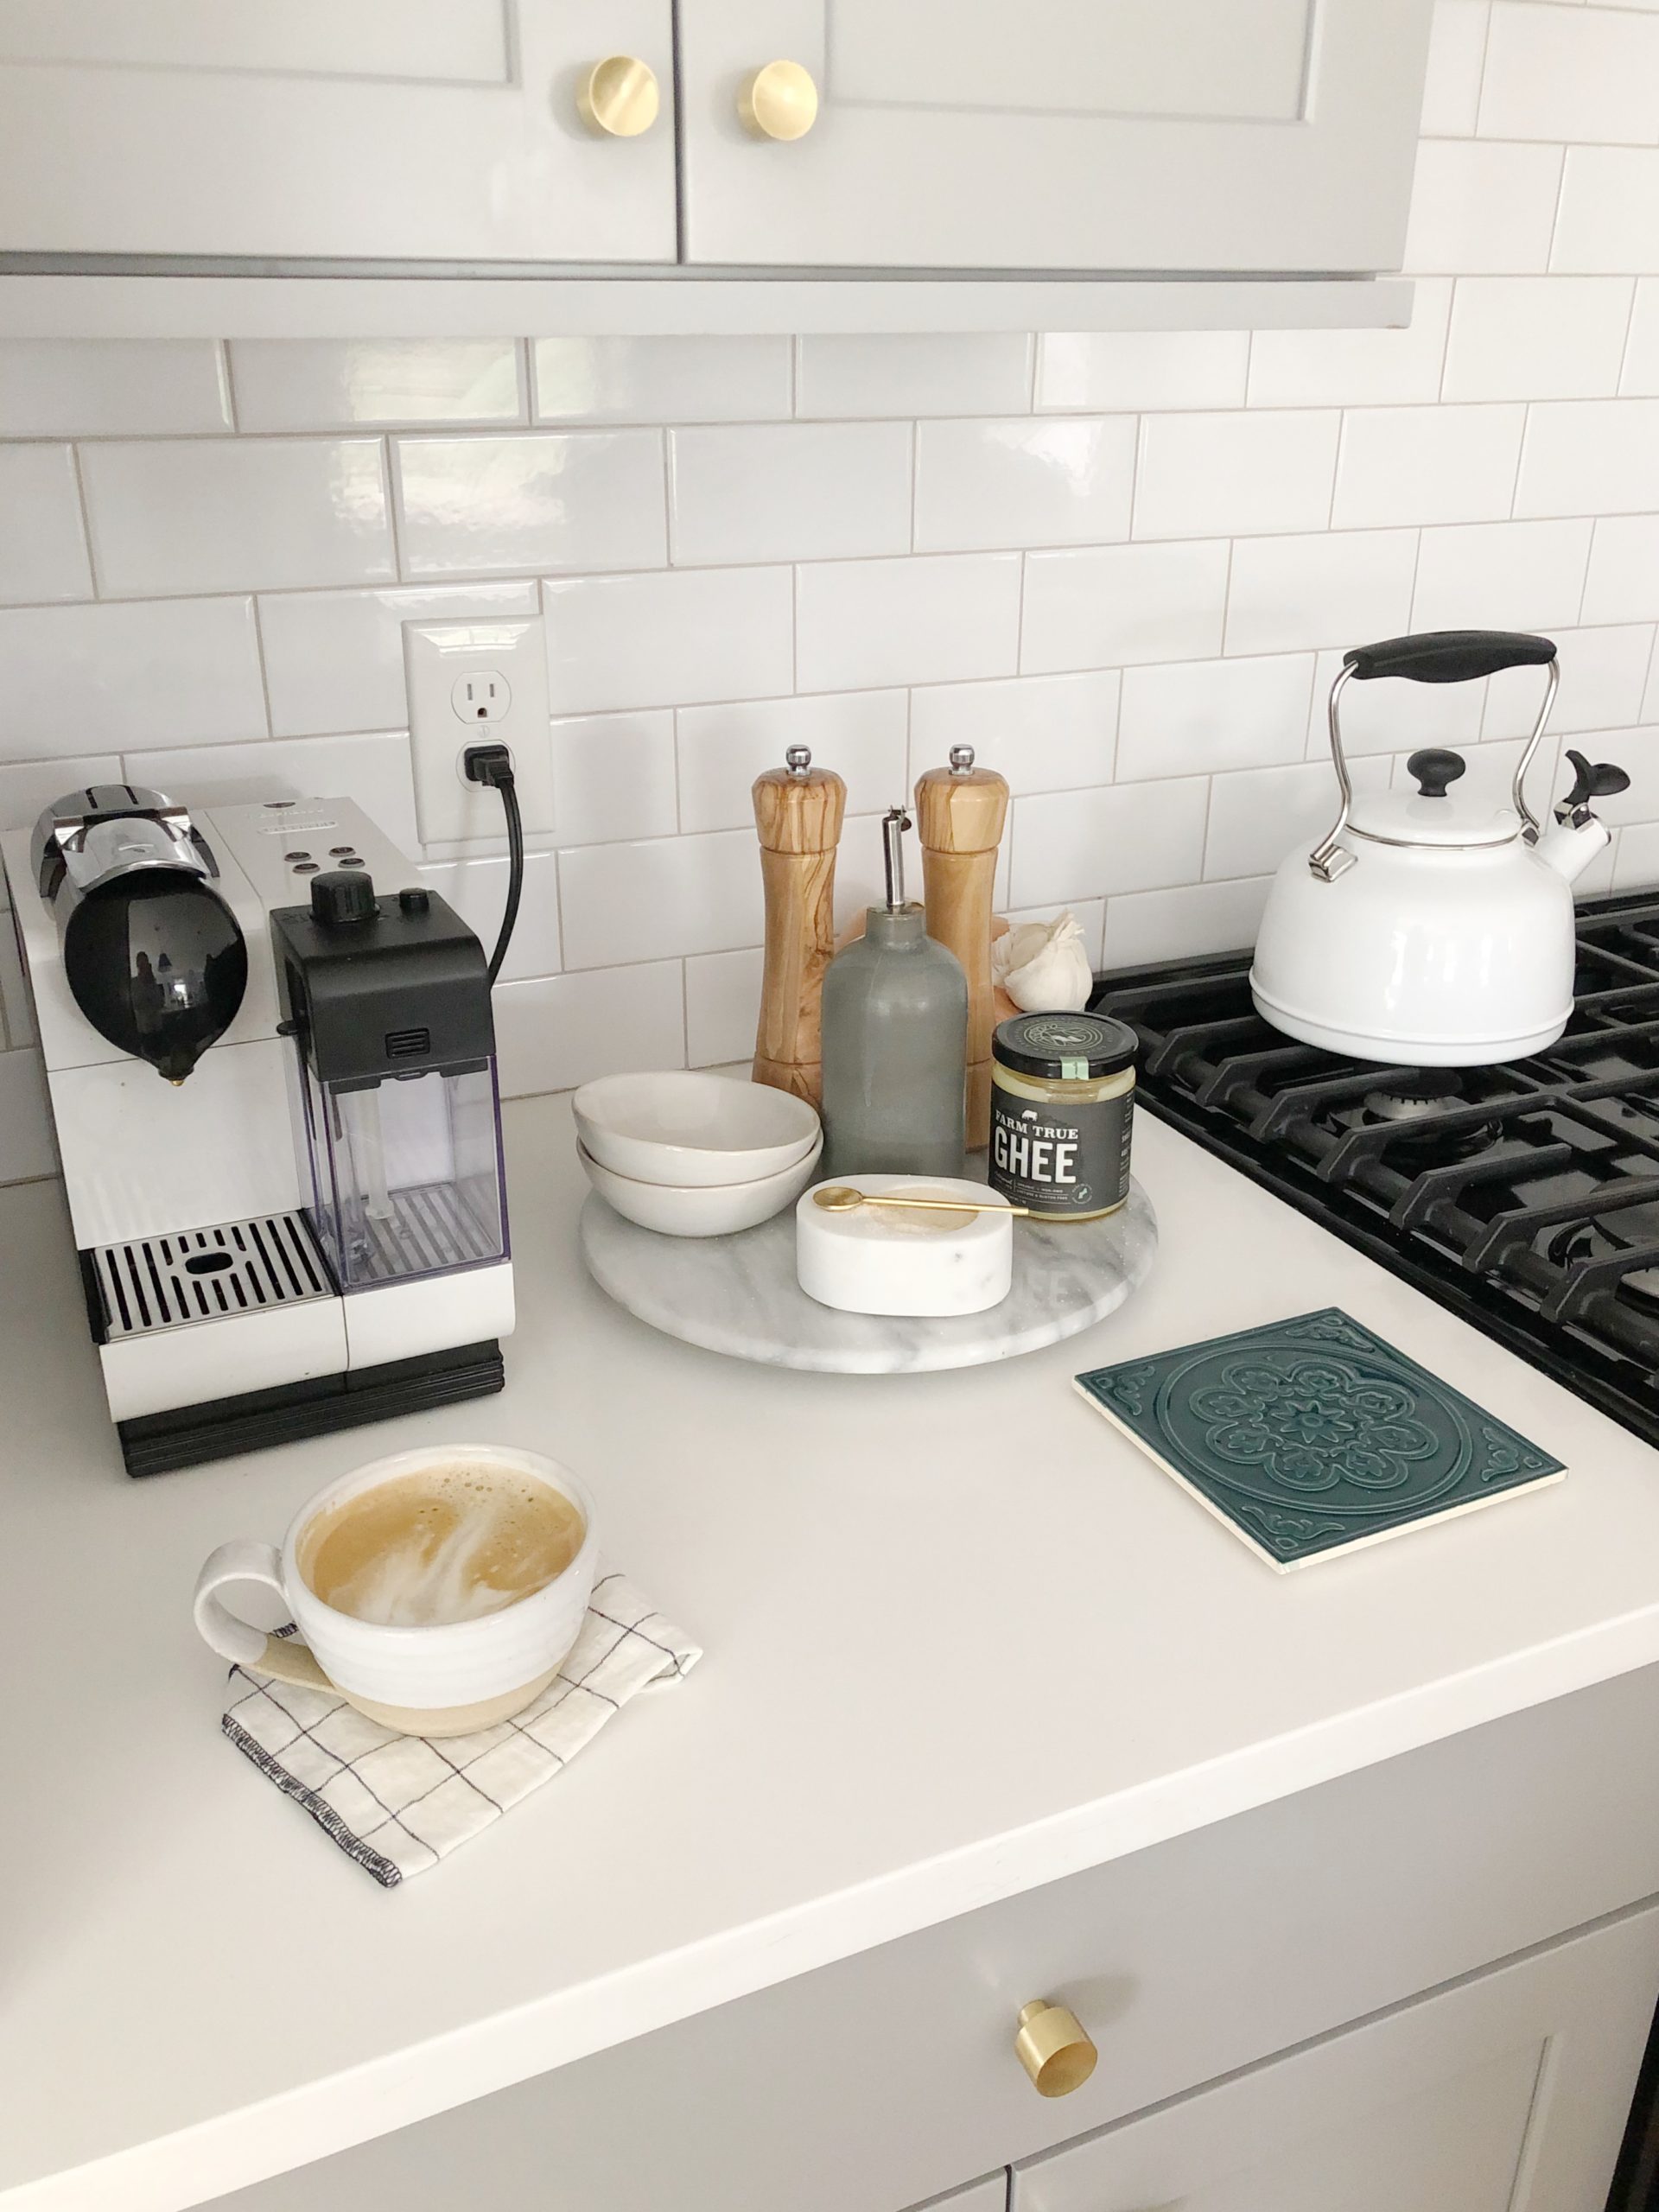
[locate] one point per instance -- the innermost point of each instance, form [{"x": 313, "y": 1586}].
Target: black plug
[
  {"x": 487, "y": 764},
  {"x": 492, "y": 765}
]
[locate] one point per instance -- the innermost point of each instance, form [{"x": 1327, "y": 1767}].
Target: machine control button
[
  {"x": 301, "y": 855},
  {"x": 305, "y": 868},
  {"x": 338, "y": 898},
  {"x": 414, "y": 901}
]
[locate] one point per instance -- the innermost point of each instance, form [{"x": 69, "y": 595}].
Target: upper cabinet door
[
  {"x": 1222, "y": 136},
  {"x": 423, "y": 130}
]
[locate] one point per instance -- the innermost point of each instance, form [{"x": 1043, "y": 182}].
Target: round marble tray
[{"x": 738, "y": 1295}]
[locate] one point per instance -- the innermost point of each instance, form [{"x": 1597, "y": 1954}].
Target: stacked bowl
[{"x": 696, "y": 1155}]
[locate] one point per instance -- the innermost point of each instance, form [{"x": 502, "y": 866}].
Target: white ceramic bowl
[
  {"x": 693, "y": 1131},
  {"x": 713, "y": 1210}
]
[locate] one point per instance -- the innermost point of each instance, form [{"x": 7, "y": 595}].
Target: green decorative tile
[{"x": 1313, "y": 1436}]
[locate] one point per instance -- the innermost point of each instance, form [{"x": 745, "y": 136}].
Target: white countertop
[{"x": 962, "y": 1638}]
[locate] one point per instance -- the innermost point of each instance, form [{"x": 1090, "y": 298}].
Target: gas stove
[{"x": 1524, "y": 1196}]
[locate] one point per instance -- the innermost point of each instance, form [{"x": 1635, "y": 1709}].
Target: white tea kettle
[{"x": 1425, "y": 929}]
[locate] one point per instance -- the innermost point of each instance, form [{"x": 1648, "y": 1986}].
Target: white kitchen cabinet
[
  {"x": 1508, "y": 2093},
  {"x": 1123, "y": 134},
  {"x": 362, "y": 129},
  {"x": 214, "y": 144}
]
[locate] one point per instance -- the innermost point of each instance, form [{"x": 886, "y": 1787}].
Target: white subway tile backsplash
[
  {"x": 1570, "y": 72},
  {"x": 289, "y": 384},
  {"x": 861, "y": 734},
  {"x": 1195, "y": 716},
  {"x": 1623, "y": 585},
  {"x": 1182, "y": 924},
  {"x": 372, "y": 770},
  {"x": 933, "y": 619},
  {"x": 1457, "y": 50},
  {"x": 16, "y": 1007},
  {"x": 723, "y": 1005},
  {"x": 1640, "y": 377},
  {"x": 675, "y": 637},
  {"x": 29, "y": 786},
  {"x": 654, "y": 900},
  {"x": 546, "y": 499},
  {"x": 42, "y": 545},
  {"x": 1117, "y": 605},
  {"x": 477, "y": 888},
  {"x": 1355, "y": 368},
  {"x": 334, "y": 659},
  {"x": 1500, "y": 575},
  {"x": 1258, "y": 815},
  {"x": 983, "y": 484},
  {"x": 224, "y": 514},
  {"x": 86, "y": 388},
  {"x": 1636, "y": 863},
  {"x": 1482, "y": 209},
  {"x": 1589, "y": 457},
  {"x": 661, "y": 379},
  {"x": 1604, "y": 673},
  {"x": 140, "y": 673},
  {"x": 1043, "y": 733},
  {"x": 1427, "y": 465},
  {"x": 1609, "y": 215},
  {"x": 1650, "y": 698},
  {"x": 562, "y": 1030},
  {"x": 788, "y": 492},
  {"x": 987, "y": 372},
  {"x": 27, "y": 1150},
  {"x": 1102, "y": 371},
  {"x": 1336, "y": 588},
  {"x": 1536, "y": 337},
  {"x": 614, "y": 778},
  {"x": 1217, "y": 475},
  {"x": 1073, "y": 845}
]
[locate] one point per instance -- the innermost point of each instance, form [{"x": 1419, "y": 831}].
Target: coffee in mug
[
  {"x": 450, "y": 1542},
  {"x": 438, "y": 1591}
]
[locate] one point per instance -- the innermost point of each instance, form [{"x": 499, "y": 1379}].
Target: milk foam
[{"x": 443, "y": 1545}]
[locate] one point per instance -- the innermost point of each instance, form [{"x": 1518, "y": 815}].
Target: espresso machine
[{"x": 271, "y": 1064}]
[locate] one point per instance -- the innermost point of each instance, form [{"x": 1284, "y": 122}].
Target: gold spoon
[{"x": 842, "y": 1197}]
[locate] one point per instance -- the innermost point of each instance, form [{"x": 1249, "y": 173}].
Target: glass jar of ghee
[{"x": 1062, "y": 1099}]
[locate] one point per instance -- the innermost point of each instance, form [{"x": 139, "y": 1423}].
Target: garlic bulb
[{"x": 1043, "y": 966}]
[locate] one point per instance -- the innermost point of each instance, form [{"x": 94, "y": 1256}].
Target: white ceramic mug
[{"x": 443, "y": 1680}]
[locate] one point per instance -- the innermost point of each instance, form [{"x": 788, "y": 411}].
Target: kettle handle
[{"x": 1435, "y": 657}]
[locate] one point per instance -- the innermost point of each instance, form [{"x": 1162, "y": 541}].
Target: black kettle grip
[
  {"x": 1603, "y": 779},
  {"x": 1449, "y": 656},
  {"x": 1435, "y": 770}
]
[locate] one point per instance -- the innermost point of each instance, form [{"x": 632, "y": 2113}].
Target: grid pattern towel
[{"x": 398, "y": 1804}]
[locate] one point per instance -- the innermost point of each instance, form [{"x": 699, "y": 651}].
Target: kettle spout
[{"x": 1570, "y": 846}]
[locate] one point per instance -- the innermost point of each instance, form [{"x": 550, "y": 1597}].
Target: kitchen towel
[{"x": 398, "y": 1804}]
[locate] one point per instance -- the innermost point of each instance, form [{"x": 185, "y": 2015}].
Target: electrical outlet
[
  {"x": 484, "y": 696},
  {"x": 464, "y": 677}
]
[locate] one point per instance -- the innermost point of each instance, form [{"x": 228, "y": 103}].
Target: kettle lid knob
[{"x": 1435, "y": 769}]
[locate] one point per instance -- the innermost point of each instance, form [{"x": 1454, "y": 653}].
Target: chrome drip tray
[
  {"x": 207, "y": 1274},
  {"x": 425, "y": 1229}
]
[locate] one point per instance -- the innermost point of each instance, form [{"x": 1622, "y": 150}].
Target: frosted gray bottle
[{"x": 895, "y": 1042}]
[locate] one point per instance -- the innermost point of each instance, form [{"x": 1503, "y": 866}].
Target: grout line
[
  {"x": 84, "y": 505},
  {"x": 264, "y": 673},
  {"x": 392, "y": 484}
]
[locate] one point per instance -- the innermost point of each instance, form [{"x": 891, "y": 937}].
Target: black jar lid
[{"x": 1063, "y": 1046}]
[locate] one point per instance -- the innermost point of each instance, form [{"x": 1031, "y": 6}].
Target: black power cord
[{"x": 493, "y": 764}]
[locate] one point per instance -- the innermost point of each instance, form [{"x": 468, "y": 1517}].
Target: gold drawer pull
[
  {"x": 781, "y": 101},
  {"x": 1054, "y": 2048},
  {"x": 619, "y": 96}
]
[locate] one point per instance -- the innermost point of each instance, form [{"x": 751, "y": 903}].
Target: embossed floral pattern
[{"x": 1313, "y": 1423}]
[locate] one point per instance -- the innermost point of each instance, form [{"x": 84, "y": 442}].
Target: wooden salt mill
[
  {"x": 797, "y": 811},
  {"x": 960, "y": 813}
]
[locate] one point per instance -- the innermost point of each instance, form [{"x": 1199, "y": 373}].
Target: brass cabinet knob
[
  {"x": 781, "y": 101},
  {"x": 1054, "y": 2048},
  {"x": 619, "y": 96}
]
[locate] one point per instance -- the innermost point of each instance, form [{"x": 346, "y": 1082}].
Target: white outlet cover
[{"x": 437, "y": 657}]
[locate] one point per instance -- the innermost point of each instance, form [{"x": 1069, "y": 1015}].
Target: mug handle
[{"x": 247, "y": 1560}]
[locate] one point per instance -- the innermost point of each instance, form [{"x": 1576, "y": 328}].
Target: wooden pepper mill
[
  {"x": 797, "y": 811},
  {"x": 960, "y": 813}
]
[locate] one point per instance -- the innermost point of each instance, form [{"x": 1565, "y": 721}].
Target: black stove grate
[{"x": 1524, "y": 1196}]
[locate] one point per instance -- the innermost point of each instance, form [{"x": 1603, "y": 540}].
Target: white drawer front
[{"x": 1507, "y": 2093}]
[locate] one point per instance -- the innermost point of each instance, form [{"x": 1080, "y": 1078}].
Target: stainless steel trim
[{"x": 148, "y": 1284}]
